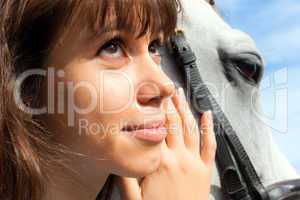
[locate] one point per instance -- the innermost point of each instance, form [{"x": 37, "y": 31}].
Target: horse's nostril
[{"x": 211, "y": 2}]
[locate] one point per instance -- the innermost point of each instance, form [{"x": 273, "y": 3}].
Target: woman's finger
[
  {"x": 208, "y": 140},
  {"x": 164, "y": 147},
  {"x": 129, "y": 188},
  {"x": 173, "y": 125},
  {"x": 191, "y": 133}
]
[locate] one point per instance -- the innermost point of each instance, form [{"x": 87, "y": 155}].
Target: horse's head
[{"x": 232, "y": 67}]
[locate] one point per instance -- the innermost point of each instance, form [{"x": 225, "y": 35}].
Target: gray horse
[{"x": 235, "y": 87}]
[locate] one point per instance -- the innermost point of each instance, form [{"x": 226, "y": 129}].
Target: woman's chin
[
  {"x": 145, "y": 169},
  {"x": 140, "y": 167}
]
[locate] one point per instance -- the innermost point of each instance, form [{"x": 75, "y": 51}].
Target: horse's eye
[
  {"x": 251, "y": 71},
  {"x": 248, "y": 65}
]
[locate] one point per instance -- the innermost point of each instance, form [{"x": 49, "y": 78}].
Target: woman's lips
[{"x": 153, "y": 132}]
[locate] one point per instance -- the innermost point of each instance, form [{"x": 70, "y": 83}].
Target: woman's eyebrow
[
  {"x": 128, "y": 28},
  {"x": 106, "y": 29}
]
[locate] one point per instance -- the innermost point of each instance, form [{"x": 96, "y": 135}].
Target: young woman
[{"x": 85, "y": 104}]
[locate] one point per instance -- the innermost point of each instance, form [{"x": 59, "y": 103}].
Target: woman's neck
[{"x": 65, "y": 185}]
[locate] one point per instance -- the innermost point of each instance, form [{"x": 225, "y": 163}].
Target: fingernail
[
  {"x": 171, "y": 106},
  {"x": 176, "y": 85},
  {"x": 209, "y": 115},
  {"x": 181, "y": 93}
]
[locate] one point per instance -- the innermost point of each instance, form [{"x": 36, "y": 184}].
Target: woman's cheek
[{"x": 116, "y": 92}]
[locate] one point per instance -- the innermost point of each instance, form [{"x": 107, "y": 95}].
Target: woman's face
[{"x": 99, "y": 86}]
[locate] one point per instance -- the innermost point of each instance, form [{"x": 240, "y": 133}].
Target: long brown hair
[{"x": 27, "y": 152}]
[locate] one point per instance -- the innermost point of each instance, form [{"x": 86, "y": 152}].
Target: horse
[
  {"x": 235, "y": 87},
  {"x": 217, "y": 47}
]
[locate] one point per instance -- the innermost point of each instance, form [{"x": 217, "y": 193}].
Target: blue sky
[{"x": 275, "y": 26}]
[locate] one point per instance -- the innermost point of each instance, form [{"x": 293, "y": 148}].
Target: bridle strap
[{"x": 239, "y": 179}]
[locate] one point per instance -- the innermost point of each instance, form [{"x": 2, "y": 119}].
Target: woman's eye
[
  {"x": 154, "y": 47},
  {"x": 111, "y": 49}
]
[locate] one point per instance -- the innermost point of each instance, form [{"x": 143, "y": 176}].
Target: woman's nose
[{"x": 155, "y": 85}]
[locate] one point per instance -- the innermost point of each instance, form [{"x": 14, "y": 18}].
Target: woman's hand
[{"x": 184, "y": 172}]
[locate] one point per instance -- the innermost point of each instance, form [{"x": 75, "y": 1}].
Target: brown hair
[{"x": 27, "y": 32}]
